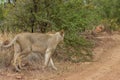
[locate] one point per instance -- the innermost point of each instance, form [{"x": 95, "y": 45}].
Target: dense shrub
[{"x": 74, "y": 16}]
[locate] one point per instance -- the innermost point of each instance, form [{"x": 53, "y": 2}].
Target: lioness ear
[{"x": 62, "y": 32}]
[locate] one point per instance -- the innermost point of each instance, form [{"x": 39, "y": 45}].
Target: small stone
[{"x": 18, "y": 77}]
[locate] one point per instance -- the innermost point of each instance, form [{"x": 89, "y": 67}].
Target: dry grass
[{"x": 5, "y": 54}]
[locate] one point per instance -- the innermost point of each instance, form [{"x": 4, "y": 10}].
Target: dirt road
[{"x": 106, "y": 66}]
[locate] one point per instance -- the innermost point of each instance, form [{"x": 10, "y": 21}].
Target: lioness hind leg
[
  {"x": 15, "y": 65},
  {"x": 15, "y": 62},
  {"x": 20, "y": 62}
]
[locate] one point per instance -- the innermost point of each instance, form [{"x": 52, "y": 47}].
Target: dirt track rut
[{"x": 106, "y": 68}]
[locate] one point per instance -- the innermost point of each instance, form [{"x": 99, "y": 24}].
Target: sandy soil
[{"x": 105, "y": 66}]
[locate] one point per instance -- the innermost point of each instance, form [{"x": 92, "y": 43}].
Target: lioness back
[{"x": 34, "y": 40}]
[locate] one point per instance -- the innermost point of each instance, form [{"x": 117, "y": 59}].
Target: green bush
[{"x": 74, "y": 16}]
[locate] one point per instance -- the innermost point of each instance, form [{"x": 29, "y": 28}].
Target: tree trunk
[
  {"x": 9, "y": 1},
  {"x": 34, "y": 10},
  {"x": 32, "y": 21}
]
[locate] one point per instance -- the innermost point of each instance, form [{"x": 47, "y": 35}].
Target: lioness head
[{"x": 60, "y": 35}]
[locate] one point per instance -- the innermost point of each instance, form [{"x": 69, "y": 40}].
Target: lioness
[{"x": 26, "y": 43}]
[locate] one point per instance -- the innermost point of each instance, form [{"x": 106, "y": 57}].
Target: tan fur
[
  {"x": 26, "y": 43},
  {"x": 98, "y": 29}
]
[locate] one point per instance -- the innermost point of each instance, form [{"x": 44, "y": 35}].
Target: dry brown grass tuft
[{"x": 5, "y": 54}]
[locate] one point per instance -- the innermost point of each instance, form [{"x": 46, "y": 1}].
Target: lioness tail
[{"x": 11, "y": 43}]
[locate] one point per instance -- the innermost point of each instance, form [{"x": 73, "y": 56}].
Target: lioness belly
[{"x": 38, "y": 49}]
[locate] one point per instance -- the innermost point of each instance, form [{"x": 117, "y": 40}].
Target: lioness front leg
[
  {"x": 47, "y": 59},
  {"x": 52, "y": 64}
]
